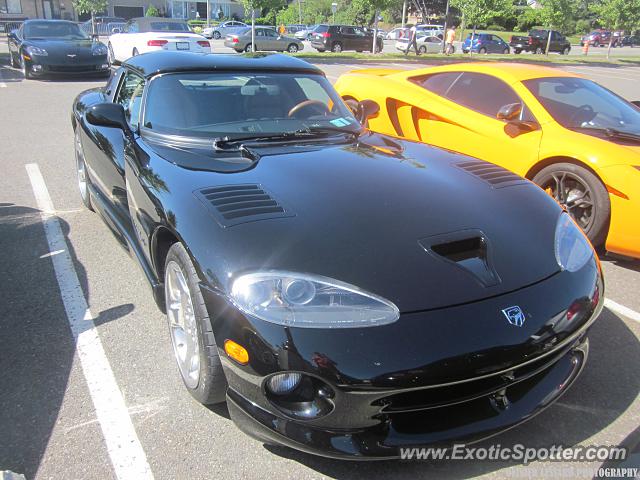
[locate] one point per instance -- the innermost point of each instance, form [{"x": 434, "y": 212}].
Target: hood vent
[
  {"x": 466, "y": 249},
  {"x": 235, "y": 204},
  {"x": 494, "y": 175}
]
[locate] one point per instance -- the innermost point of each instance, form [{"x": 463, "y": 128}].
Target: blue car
[{"x": 485, "y": 43}]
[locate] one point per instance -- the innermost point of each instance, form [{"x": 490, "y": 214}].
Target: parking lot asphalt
[{"x": 48, "y": 422}]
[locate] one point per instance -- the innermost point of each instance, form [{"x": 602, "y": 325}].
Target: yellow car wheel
[{"x": 582, "y": 194}]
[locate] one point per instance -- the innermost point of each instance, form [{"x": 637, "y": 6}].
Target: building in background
[{"x": 22, "y": 9}]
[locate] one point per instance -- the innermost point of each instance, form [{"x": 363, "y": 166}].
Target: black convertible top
[{"x": 150, "y": 64}]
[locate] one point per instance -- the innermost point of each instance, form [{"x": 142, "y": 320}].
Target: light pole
[
  {"x": 446, "y": 18},
  {"x": 404, "y": 13},
  {"x": 334, "y": 8},
  {"x": 299, "y": 12}
]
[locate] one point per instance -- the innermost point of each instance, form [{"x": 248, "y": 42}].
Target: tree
[
  {"x": 152, "y": 11},
  {"x": 478, "y": 12},
  {"x": 559, "y": 15},
  {"x": 617, "y": 15},
  {"x": 92, "y": 7},
  {"x": 265, "y": 7}
]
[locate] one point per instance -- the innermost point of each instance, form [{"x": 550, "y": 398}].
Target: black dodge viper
[{"x": 346, "y": 293}]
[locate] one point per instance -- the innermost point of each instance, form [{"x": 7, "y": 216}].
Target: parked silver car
[
  {"x": 225, "y": 28},
  {"x": 305, "y": 33},
  {"x": 426, "y": 44},
  {"x": 267, "y": 39}
]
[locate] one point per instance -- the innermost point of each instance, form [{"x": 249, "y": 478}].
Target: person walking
[
  {"x": 451, "y": 36},
  {"x": 412, "y": 41},
  {"x": 282, "y": 29}
]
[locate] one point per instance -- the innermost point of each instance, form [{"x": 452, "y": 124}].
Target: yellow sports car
[{"x": 577, "y": 140}]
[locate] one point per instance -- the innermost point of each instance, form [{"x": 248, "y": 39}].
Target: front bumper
[
  {"x": 44, "y": 66},
  {"x": 466, "y": 422},
  {"x": 457, "y": 374}
]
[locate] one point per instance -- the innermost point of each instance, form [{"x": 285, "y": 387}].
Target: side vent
[
  {"x": 494, "y": 175},
  {"x": 236, "y": 204}
]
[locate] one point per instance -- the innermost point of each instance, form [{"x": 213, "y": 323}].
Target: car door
[
  {"x": 105, "y": 154},
  {"x": 271, "y": 39},
  {"x": 433, "y": 44},
  {"x": 462, "y": 117},
  {"x": 361, "y": 40}
]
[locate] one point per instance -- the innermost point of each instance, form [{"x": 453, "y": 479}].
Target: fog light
[
  {"x": 36, "y": 68},
  {"x": 298, "y": 395},
  {"x": 104, "y": 66},
  {"x": 284, "y": 383}
]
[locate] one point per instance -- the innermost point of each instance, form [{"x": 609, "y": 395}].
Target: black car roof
[{"x": 154, "y": 63}]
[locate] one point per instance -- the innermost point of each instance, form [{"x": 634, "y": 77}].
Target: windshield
[
  {"x": 213, "y": 105},
  {"x": 169, "y": 27},
  {"x": 61, "y": 30},
  {"x": 581, "y": 103}
]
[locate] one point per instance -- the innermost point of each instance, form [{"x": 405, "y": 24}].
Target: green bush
[
  {"x": 583, "y": 26},
  {"x": 152, "y": 11},
  {"x": 496, "y": 28}
]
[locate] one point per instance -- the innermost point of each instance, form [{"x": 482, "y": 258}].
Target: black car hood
[
  {"x": 55, "y": 47},
  {"x": 369, "y": 214}
]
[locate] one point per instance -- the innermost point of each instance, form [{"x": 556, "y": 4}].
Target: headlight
[
  {"x": 99, "y": 50},
  {"x": 41, "y": 52},
  {"x": 572, "y": 248},
  {"x": 300, "y": 300}
]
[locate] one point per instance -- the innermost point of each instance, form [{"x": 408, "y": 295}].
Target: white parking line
[
  {"x": 125, "y": 451},
  {"x": 2, "y": 84},
  {"x": 622, "y": 310}
]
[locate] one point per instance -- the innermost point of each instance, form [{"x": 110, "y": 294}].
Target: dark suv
[{"x": 344, "y": 37}]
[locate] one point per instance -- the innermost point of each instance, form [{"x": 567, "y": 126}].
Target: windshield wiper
[
  {"x": 613, "y": 133},
  {"x": 221, "y": 143}
]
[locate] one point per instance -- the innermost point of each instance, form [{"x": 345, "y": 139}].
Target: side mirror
[
  {"x": 364, "y": 110},
  {"x": 12, "y": 35},
  {"x": 636, "y": 103},
  {"x": 517, "y": 128},
  {"x": 107, "y": 115},
  {"x": 509, "y": 112},
  {"x": 116, "y": 30}
]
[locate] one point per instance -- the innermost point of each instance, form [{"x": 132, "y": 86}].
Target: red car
[{"x": 597, "y": 38}]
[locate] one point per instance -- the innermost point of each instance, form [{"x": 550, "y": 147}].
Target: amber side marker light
[{"x": 236, "y": 351}]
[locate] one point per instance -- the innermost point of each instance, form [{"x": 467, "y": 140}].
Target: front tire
[
  {"x": 566, "y": 51},
  {"x": 14, "y": 62},
  {"x": 482, "y": 51},
  {"x": 216, "y": 35},
  {"x": 190, "y": 329},
  {"x": 81, "y": 172},
  {"x": 506, "y": 51},
  {"x": 111, "y": 56},
  {"x": 422, "y": 49},
  {"x": 248, "y": 48},
  {"x": 582, "y": 193},
  {"x": 293, "y": 48},
  {"x": 539, "y": 51},
  {"x": 336, "y": 47},
  {"x": 25, "y": 68},
  {"x": 517, "y": 52}
]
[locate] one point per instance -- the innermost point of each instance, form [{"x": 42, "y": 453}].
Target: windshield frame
[
  {"x": 530, "y": 85},
  {"x": 142, "y": 130},
  {"x": 27, "y": 26}
]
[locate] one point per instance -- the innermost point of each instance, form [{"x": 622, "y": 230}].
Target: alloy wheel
[
  {"x": 292, "y": 48},
  {"x": 573, "y": 193},
  {"x": 81, "y": 169},
  {"x": 182, "y": 324}
]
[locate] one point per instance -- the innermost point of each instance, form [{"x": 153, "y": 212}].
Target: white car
[{"x": 149, "y": 34}]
